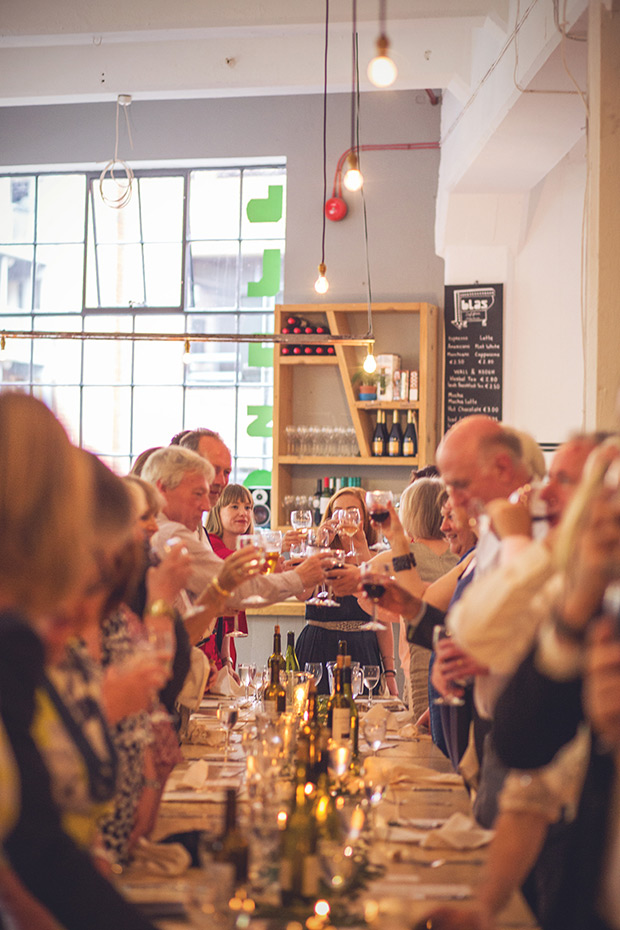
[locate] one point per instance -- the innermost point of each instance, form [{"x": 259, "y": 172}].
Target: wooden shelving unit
[{"x": 410, "y": 330}]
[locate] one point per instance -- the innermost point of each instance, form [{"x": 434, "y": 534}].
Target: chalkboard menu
[{"x": 474, "y": 351}]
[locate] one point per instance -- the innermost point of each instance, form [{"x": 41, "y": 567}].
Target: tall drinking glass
[{"x": 372, "y": 673}]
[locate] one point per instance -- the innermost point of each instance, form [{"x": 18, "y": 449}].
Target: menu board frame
[{"x": 473, "y": 351}]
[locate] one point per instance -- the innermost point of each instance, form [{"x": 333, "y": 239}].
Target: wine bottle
[
  {"x": 232, "y": 846},
  {"x": 274, "y": 698},
  {"x": 342, "y": 647},
  {"x": 325, "y": 496},
  {"x": 291, "y": 662},
  {"x": 338, "y": 711},
  {"x": 395, "y": 441},
  {"x": 410, "y": 439},
  {"x": 299, "y": 866},
  {"x": 277, "y": 649},
  {"x": 380, "y": 437},
  {"x": 324, "y": 813},
  {"x": 354, "y": 714},
  {"x": 310, "y": 741},
  {"x": 316, "y": 503}
]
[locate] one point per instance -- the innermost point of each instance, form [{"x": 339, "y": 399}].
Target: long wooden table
[{"x": 410, "y": 885}]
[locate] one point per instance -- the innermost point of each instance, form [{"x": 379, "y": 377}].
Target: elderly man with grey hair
[{"x": 182, "y": 478}]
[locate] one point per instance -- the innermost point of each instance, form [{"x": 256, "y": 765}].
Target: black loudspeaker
[{"x": 262, "y": 506}]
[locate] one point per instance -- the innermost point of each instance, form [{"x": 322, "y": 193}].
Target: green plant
[{"x": 377, "y": 377}]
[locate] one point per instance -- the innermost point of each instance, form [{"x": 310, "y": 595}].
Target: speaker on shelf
[{"x": 262, "y": 506}]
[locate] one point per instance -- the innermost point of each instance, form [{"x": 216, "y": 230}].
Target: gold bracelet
[
  {"x": 219, "y": 589},
  {"x": 160, "y": 608}
]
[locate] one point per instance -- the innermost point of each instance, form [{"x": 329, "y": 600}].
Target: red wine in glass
[{"x": 379, "y": 516}]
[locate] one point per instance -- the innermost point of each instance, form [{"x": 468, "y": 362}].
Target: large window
[{"x": 195, "y": 251}]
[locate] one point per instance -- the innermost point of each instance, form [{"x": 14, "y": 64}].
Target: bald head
[
  {"x": 565, "y": 473},
  {"x": 480, "y": 460}
]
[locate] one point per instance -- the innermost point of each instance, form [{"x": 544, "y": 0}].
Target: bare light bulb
[
  {"x": 370, "y": 363},
  {"x": 382, "y": 71},
  {"x": 187, "y": 355},
  {"x": 353, "y": 179},
  {"x": 321, "y": 285}
]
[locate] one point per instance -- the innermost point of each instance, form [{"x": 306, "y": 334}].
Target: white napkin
[
  {"x": 160, "y": 858},
  {"x": 225, "y": 684},
  {"x": 195, "y": 776},
  {"x": 199, "y": 731},
  {"x": 377, "y": 714},
  {"x": 458, "y": 832},
  {"x": 409, "y": 731},
  {"x": 410, "y": 774}
]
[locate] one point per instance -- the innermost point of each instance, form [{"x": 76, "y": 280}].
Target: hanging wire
[
  {"x": 125, "y": 187},
  {"x": 325, "y": 131},
  {"x": 353, "y": 71},
  {"x": 364, "y": 212}
]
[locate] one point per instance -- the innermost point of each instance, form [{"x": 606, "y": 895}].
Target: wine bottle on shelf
[
  {"x": 338, "y": 711},
  {"x": 380, "y": 437},
  {"x": 316, "y": 502},
  {"x": 291, "y": 662},
  {"x": 290, "y": 350},
  {"x": 309, "y": 350},
  {"x": 410, "y": 439},
  {"x": 232, "y": 846},
  {"x": 353, "y": 713},
  {"x": 395, "y": 441},
  {"x": 277, "y": 649},
  {"x": 325, "y": 496},
  {"x": 274, "y": 697},
  {"x": 299, "y": 865}
]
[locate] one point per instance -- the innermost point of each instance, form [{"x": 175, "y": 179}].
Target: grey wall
[{"x": 400, "y": 186}]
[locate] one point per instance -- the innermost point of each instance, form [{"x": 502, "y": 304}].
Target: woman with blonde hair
[{"x": 45, "y": 545}]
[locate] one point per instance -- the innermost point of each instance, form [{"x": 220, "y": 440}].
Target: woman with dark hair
[{"x": 325, "y": 626}]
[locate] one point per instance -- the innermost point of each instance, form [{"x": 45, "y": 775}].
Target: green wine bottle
[
  {"x": 338, "y": 710},
  {"x": 274, "y": 698},
  {"x": 291, "y": 662},
  {"x": 299, "y": 866},
  {"x": 232, "y": 846},
  {"x": 277, "y": 649},
  {"x": 354, "y": 716}
]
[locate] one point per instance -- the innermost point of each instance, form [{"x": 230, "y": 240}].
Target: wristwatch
[{"x": 402, "y": 563}]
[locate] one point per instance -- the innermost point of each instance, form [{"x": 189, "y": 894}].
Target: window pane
[
  {"x": 57, "y": 361},
  {"x": 59, "y": 276},
  {"x": 159, "y": 362},
  {"x": 106, "y": 419},
  {"x": 212, "y": 275},
  {"x": 16, "y": 278},
  {"x": 255, "y": 414},
  {"x": 15, "y": 366},
  {"x": 107, "y": 362},
  {"x": 65, "y": 403},
  {"x": 214, "y": 201},
  {"x": 60, "y": 208},
  {"x": 161, "y": 202},
  {"x": 213, "y": 408},
  {"x": 157, "y": 416},
  {"x": 121, "y": 282},
  {"x": 212, "y": 362},
  {"x": 113, "y": 225},
  {"x": 17, "y": 209},
  {"x": 262, "y": 274},
  {"x": 256, "y": 359},
  {"x": 162, "y": 268},
  {"x": 264, "y": 203}
]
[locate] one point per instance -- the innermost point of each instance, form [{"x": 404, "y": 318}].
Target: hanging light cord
[
  {"x": 353, "y": 72},
  {"x": 124, "y": 188},
  {"x": 325, "y": 132},
  {"x": 364, "y": 212}
]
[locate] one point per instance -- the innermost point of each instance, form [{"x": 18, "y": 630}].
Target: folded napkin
[
  {"x": 409, "y": 731},
  {"x": 410, "y": 774},
  {"x": 377, "y": 714},
  {"x": 225, "y": 684},
  {"x": 160, "y": 858},
  {"x": 201, "y": 731},
  {"x": 458, "y": 832},
  {"x": 195, "y": 776}
]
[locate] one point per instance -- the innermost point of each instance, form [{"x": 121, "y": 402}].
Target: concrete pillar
[{"x": 602, "y": 315}]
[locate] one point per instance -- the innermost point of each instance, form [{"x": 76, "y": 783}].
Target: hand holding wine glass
[
  {"x": 301, "y": 520},
  {"x": 377, "y": 503},
  {"x": 373, "y": 578},
  {"x": 348, "y": 523}
]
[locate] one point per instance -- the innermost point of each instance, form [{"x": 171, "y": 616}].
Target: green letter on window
[{"x": 266, "y": 209}]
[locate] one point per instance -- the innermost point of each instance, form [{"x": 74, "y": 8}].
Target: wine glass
[
  {"x": 348, "y": 522},
  {"x": 316, "y": 670},
  {"x": 451, "y": 699},
  {"x": 301, "y": 520},
  {"x": 374, "y": 733},
  {"x": 227, "y": 714},
  {"x": 377, "y": 503},
  {"x": 335, "y": 558},
  {"x": 357, "y": 679},
  {"x": 371, "y": 673},
  {"x": 330, "y": 666},
  {"x": 252, "y": 539},
  {"x": 372, "y": 577},
  {"x": 271, "y": 544},
  {"x": 246, "y": 673},
  {"x": 375, "y": 780}
]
